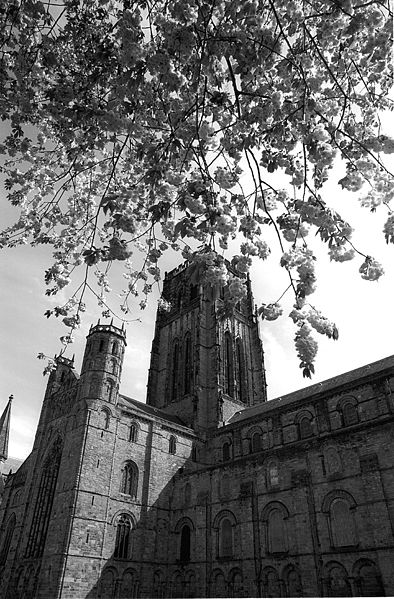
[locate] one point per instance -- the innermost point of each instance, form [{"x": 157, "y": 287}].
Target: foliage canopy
[{"x": 151, "y": 125}]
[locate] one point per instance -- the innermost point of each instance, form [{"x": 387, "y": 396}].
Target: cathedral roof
[
  {"x": 5, "y": 430},
  {"x": 128, "y": 402},
  {"x": 343, "y": 381}
]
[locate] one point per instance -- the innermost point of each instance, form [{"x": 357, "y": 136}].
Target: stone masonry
[{"x": 207, "y": 490}]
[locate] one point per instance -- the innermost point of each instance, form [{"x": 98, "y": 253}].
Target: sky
[{"x": 362, "y": 310}]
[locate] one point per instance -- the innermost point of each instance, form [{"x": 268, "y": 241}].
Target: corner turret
[{"x": 102, "y": 362}]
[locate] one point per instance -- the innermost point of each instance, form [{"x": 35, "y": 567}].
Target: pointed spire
[{"x": 5, "y": 429}]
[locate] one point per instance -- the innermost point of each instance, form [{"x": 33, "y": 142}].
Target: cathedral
[{"x": 207, "y": 489}]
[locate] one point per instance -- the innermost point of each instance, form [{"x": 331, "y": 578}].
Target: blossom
[
  {"x": 338, "y": 253},
  {"x": 306, "y": 347},
  {"x": 370, "y": 269},
  {"x": 270, "y": 311}
]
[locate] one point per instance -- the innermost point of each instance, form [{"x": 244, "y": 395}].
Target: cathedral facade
[{"x": 208, "y": 489}]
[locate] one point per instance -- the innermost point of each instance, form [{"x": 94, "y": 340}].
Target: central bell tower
[{"x": 204, "y": 366}]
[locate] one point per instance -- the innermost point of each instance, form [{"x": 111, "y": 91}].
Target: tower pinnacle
[{"x": 5, "y": 430}]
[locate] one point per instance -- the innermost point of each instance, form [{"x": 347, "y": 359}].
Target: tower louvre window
[
  {"x": 188, "y": 363},
  {"x": 241, "y": 374},
  {"x": 43, "y": 507},
  {"x": 175, "y": 371},
  {"x": 228, "y": 365}
]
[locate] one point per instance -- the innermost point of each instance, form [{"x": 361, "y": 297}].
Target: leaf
[
  {"x": 109, "y": 203},
  {"x": 159, "y": 210}
]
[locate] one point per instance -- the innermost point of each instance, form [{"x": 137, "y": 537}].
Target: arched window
[
  {"x": 109, "y": 389},
  {"x": 226, "y": 538},
  {"x": 293, "y": 584},
  {"x": 273, "y": 475},
  {"x": 338, "y": 581},
  {"x": 114, "y": 350},
  {"x": 368, "y": 579},
  {"x": 271, "y": 583},
  {"x": 190, "y": 585},
  {"x": 226, "y": 451},
  {"x": 241, "y": 374},
  {"x": 133, "y": 434},
  {"x": 305, "y": 427},
  {"x": 7, "y": 539},
  {"x": 349, "y": 414},
  {"x": 175, "y": 371},
  {"x": 256, "y": 444},
  {"x": 123, "y": 536},
  {"x": 184, "y": 551},
  {"x": 172, "y": 445},
  {"x": 158, "y": 586},
  {"x": 129, "y": 585},
  {"x": 113, "y": 366},
  {"x": 188, "y": 363},
  {"x": 343, "y": 530},
  {"x": 235, "y": 584},
  {"x": 16, "y": 498},
  {"x": 177, "y": 587},
  {"x": 228, "y": 365},
  {"x": 101, "y": 345},
  {"x": 43, "y": 506},
  {"x": 276, "y": 531},
  {"x": 219, "y": 587},
  {"x": 129, "y": 482},
  {"x": 104, "y": 419},
  {"x": 333, "y": 461}
]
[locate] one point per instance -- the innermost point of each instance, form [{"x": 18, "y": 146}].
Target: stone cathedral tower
[{"x": 204, "y": 367}]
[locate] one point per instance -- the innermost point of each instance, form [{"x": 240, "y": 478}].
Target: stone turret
[{"x": 102, "y": 363}]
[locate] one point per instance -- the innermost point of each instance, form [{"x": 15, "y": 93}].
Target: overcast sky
[{"x": 362, "y": 310}]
